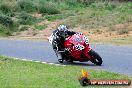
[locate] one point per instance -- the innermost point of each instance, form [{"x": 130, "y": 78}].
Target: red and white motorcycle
[{"x": 78, "y": 49}]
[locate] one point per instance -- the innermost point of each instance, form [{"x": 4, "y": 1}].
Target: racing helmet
[{"x": 61, "y": 30}]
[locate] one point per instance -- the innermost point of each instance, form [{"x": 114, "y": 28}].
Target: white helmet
[{"x": 62, "y": 29}]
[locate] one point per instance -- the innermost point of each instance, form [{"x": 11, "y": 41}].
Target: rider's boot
[{"x": 59, "y": 56}]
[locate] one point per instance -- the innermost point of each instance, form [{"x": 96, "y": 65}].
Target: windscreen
[{"x": 77, "y": 39}]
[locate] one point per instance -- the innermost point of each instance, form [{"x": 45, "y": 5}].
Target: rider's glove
[{"x": 66, "y": 49}]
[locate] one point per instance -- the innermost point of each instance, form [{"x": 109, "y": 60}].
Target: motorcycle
[{"x": 77, "y": 48}]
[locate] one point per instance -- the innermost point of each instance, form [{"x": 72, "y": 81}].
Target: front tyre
[{"x": 96, "y": 59}]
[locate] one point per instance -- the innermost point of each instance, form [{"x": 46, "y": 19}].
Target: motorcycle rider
[{"x": 60, "y": 34}]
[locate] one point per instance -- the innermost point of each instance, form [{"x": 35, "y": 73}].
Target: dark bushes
[
  {"x": 6, "y": 25},
  {"x": 26, "y": 19},
  {"x": 4, "y": 31},
  {"x": 6, "y": 9},
  {"x": 26, "y": 5},
  {"x": 6, "y": 21},
  {"x": 42, "y": 7}
]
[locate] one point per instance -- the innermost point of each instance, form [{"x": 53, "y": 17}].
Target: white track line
[{"x": 34, "y": 61}]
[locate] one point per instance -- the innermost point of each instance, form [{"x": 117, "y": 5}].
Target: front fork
[{"x": 86, "y": 52}]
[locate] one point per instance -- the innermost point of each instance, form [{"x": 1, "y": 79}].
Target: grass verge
[{"x": 22, "y": 74}]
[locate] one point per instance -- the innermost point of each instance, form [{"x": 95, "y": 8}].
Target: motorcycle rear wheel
[{"x": 96, "y": 59}]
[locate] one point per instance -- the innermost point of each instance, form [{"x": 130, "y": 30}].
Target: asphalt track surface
[{"x": 115, "y": 58}]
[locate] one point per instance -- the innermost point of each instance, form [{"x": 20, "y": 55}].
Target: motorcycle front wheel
[{"x": 96, "y": 59}]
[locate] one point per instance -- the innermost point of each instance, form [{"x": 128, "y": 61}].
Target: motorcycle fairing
[{"x": 78, "y": 45}]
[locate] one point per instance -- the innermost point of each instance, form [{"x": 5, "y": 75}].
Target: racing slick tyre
[{"x": 96, "y": 59}]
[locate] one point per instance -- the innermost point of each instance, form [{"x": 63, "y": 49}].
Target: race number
[{"x": 79, "y": 47}]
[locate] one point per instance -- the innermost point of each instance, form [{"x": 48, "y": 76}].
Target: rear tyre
[{"x": 96, "y": 59}]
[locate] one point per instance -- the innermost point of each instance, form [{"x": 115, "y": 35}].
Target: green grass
[
  {"x": 4, "y": 31},
  {"x": 90, "y": 18},
  {"x": 122, "y": 41},
  {"x": 63, "y": 15},
  {"x": 26, "y": 5},
  {"x": 87, "y": 14},
  {"x": 53, "y": 17},
  {"x": 117, "y": 41},
  {"x": 23, "y": 74},
  {"x": 40, "y": 27},
  {"x": 26, "y": 19},
  {"x": 48, "y": 7}
]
